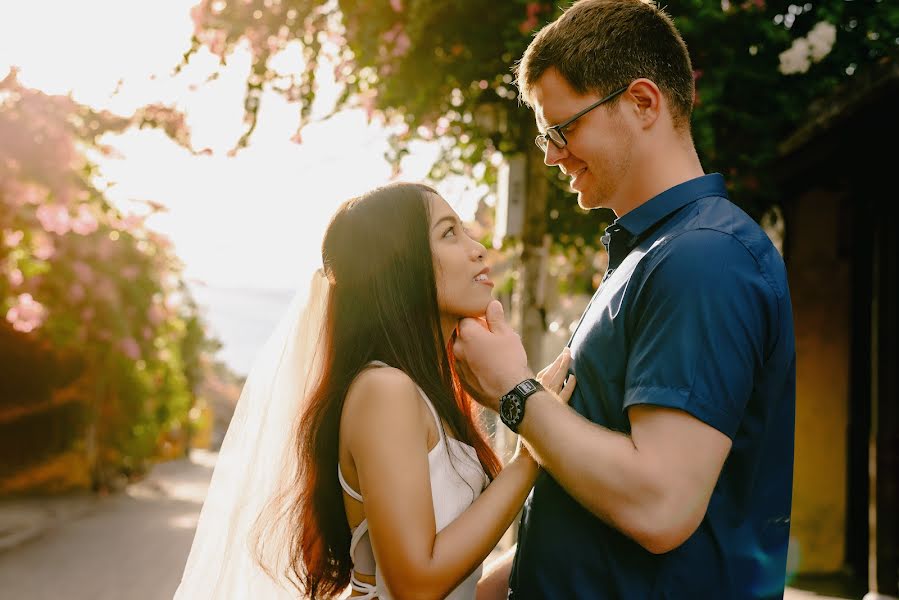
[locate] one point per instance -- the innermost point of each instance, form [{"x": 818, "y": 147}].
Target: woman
[{"x": 383, "y": 482}]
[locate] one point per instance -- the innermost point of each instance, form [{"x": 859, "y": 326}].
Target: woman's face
[{"x": 463, "y": 286}]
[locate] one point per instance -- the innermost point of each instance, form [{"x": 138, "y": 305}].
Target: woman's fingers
[
  {"x": 553, "y": 376},
  {"x": 545, "y": 374},
  {"x": 567, "y": 389}
]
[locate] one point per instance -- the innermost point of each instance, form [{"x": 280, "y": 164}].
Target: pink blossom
[
  {"x": 27, "y": 315},
  {"x": 84, "y": 222},
  {"x": 147, "y": 333},
  {"x": 32, "y": 194},
  {"x": 15, "y": 277},
  {"x": 396, "y": 5},
  {"x": 12, "y": 238},
  {"x": 130, "y": 348},
  {"x": 54, "y": 218},
  {"x": 88, "y": 313},
  {"x": 43, "y": 247}
]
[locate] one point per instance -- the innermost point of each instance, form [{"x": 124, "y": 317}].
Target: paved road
[
  {"x": 127, "y": 547},
  {"x": 131, "y": 546}
]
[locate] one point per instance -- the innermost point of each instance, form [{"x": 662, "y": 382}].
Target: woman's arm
[{"x": 388, "y": 441}]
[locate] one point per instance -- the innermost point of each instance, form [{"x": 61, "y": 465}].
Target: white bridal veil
[{"x": 257, "y": 459}]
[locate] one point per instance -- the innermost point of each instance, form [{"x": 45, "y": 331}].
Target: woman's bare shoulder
[{"x": 380, "y": 397}]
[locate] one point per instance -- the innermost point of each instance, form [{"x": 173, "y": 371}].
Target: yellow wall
[{"x": 819, "y": 285}]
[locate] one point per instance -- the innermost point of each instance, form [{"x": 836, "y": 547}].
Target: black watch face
[{"x": 510, "y": 409}]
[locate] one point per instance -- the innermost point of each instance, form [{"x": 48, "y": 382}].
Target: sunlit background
[
  {"x": 152, "y": 233},
  {"x": 246, "y": 225}
]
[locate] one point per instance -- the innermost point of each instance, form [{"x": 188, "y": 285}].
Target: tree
[
  {"x": 100, "y": 336},
  {"x": 441, "y": 70}
]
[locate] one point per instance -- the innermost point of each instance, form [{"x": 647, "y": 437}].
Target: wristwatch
[{"x": 511, "y": 405}]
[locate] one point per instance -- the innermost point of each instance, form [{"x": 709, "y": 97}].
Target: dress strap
[
  {"x": 424, "y": 397},
  {"x": 433, "y": 412},
  {"x": 346, "y": 487},
  {"x": 369, "y": 592}
]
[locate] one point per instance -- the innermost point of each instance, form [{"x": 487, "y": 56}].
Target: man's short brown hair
[{"x": 602, "y": 45}]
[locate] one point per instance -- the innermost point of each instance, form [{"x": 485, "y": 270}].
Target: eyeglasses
[{"x": 554, "y": 134}]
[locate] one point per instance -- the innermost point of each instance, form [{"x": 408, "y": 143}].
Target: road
[{"x": 131, "y": 546}]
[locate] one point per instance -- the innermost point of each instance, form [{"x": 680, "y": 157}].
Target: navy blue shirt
[{"x": 694, "y": 313}]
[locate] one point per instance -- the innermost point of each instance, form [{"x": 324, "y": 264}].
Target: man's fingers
[
  {"x": 496, "y": 319},
  {"x": 471, "y": 326}
]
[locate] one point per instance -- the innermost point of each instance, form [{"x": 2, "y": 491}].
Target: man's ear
[{"x": 647, "y": 101}]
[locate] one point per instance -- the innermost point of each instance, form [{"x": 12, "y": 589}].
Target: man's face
[{"x": 598, "y": 152}]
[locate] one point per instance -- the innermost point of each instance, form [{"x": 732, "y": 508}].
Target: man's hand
[{"x": 490, "y": 357}]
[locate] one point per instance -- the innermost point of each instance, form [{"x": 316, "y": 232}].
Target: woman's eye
[{"x": 451, "y": 230}]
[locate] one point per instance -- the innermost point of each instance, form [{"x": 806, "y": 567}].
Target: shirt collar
[{"x": 658, "y": 207}]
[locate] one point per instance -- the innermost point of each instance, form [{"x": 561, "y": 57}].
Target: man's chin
[{"x": 586, "y": 202}]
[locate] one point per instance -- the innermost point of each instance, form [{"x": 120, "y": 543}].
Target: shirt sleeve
[{"x": 698, "y": 329}]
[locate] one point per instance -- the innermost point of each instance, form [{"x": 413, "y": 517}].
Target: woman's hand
[{"x": 555, "y": 378}]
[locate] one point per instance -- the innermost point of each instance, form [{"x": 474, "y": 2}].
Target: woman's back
[{"x": 456, "y": 479}]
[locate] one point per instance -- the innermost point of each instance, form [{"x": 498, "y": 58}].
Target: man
[{"x": 670, "y": 474}]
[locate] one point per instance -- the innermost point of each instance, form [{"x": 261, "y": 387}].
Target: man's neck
[{"x": 662, "y": 168}]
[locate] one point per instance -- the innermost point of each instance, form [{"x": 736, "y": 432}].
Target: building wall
[{"x": 819, "y": 284}]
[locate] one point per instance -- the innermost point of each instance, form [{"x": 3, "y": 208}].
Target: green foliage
[
  {"x": 78, "y": 278},
  {"x": 440, "y": 68}
]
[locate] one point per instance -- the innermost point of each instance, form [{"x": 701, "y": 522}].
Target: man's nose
[{"x": 553, "y": 154}]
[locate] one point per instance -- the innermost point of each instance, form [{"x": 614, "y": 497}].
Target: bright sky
[{"x": 251, "y": 221}]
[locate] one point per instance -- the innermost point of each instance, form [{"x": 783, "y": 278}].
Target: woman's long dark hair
[{"x": 382, "y": 306}]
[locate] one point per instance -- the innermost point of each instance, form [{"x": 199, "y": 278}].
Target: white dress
[{"x": 457, "y": 478}]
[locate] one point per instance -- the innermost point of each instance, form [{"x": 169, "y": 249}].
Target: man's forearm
[{"x": 599, "y": 468}]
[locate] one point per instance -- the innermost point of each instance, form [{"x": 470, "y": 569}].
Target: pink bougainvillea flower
[
  {"x": 12, "y": 238},
  {"x": 130, "y": 348},
  {"x": 84, "y": 223},
  {"x": 15, "y": 277},
  {"x": 54, "y": 218},
  {"x": 43, "y": 247},
  {"x": 27, "y": 314}
]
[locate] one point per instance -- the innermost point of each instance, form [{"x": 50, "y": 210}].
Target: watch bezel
[{"x": 518, "y": 395}]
